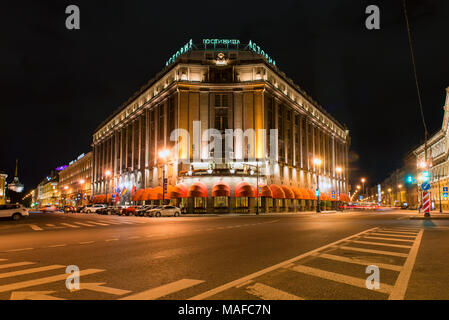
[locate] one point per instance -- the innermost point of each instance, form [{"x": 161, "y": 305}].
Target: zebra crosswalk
[
  {"x": 87, "y": 223},
  {"x": 336, "y": 271},
  {"x": 48, "y": 282}
]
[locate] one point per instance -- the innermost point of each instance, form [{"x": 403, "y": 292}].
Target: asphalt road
[{"x": 296, "y": 256}]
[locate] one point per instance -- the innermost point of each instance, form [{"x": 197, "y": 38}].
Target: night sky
[{"x": 57, "y": 85}]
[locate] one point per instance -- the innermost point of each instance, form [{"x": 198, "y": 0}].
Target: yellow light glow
[
  {"x": 163, "y": 154},
  {"x": 317, "y": 161},
  {"x": 82, "y": 181},
  {"x": 107, "y": 173},
  {"x": 338, "y": 169}
]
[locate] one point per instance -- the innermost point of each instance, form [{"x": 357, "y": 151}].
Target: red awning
[
  {"x": 198, "y": 190},
  {"x": 137, "y": 195},
  {"x": 265, "y": 191},
  {"x": 297, "y": 192},
  {"x": 221, "y": 189},
  {"x": 156, "y": 194},
  {"x": 244, "y": 189},
  {"x": 311, "y": 193},
  {"x": 146, "y": 194},
  {"x": 178, "y": 191},
  {"x": 277, "y": 191},
  {"x": 289, "y": 194}
]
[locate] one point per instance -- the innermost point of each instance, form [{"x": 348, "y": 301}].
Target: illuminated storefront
[{"x": 228, "y": 130}]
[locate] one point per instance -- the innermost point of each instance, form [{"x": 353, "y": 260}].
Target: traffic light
[{"x": 409, "y": 179}]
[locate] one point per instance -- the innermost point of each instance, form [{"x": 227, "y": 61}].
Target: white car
[
  {"x": 93, "y": 208},
  {"x": 13, "y": 211},
  {"x": 164, "y": 211}
]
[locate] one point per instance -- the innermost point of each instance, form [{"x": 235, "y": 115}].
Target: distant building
[
  {"x": 3, "y": 177},
  {"x": 15, "y": 185},
  {"x": 48, "y": 190},
  {"x": 75, "y": 181}
]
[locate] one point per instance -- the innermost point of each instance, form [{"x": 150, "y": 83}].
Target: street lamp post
[
  {"x": 82, "y": 193},
  {"x": 363, "y": 186},
  {"x": 339, "y": 170},
  {"x": 107, "y": 174},
  {"x": 317, "y": 162},
  {"x": 163, "y": 154}
]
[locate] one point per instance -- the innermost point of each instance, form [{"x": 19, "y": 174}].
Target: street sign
[
  {"x": 317, "y": 192},
  {"x": 445, "y": 194},
  {"x": 445, "y": 189},
  {"x": 426, "y": 201},
  {"x": 425, "y": 186}
]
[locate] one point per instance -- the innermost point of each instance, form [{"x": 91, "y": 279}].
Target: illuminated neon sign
[
  {"x": 221, "y": 43},
  {"x": 187, "y": 47},
  {"x": 253, "y": 46}
]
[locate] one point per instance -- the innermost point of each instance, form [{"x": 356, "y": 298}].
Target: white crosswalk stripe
[
  {"x": 84, "y": 224},
  {"x": 159, "y": 292},
  {"x": 16, "y": 264},
  {"x": 98, "y": 223},
  {"x": 69, "y": 225},
  {"x": 346, "y": 252}
]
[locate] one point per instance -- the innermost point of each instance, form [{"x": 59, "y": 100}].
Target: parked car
[
  {"x": 142, "y": 210},
  {"x": 68, "y": 209},
  {"x": 147, "y": 212},
  {"x": 165, "y": 211},
  {"x": 92, "y": 208},
  {"x": 78, "y": 209},
  {"x": 103, "y": 210},
  {"x": 49, "y": 208},
  {"x": 131, "y": 210},
  {"x": 13, "y": 211}
]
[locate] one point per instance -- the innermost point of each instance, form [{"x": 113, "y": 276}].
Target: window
[
  {"x": 221, "y": 112},
  {"x": 220, "y": 202},
  {"x": 241, "y": 202},
  {"x": 200, "y": 202}
]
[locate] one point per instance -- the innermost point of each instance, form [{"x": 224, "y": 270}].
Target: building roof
[{"x": 191, "y": 56}]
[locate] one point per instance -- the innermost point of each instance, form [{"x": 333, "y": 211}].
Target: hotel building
[{"x": 269, "y": 160}]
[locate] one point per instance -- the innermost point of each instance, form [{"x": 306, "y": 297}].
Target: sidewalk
[
  {"x": 433, "y": 215},
  {"x": 271, "y": 214}
]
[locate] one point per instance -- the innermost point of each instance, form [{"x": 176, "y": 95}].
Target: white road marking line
[
  {"x": 33, "y": 295},
  {"x": 84, "y": 224},
  {"x": 17, "y": 264},
  {"x": 115, "y": 239},
  {"x": 35, "y": 228},
  {"x": 98, "y": 287},
  {"x": 98, "y": 223},
  {"x": 126, "y": 222},
  {"x": 391, "y": 235},
  {"x": 244, "y": 284},
  {"x": 86, "y": 242},
  {"x": 69, "y": 225},
  {"x": 387, "y": 253},
  {"x": 398, "y": 232},
  {"x": 400, "y": 287},
  {"x": 359, "y": 261},
  {"x": 57, "y": 246},
  {"x": 28, "y": 271},
  {"x": 3, "y": 259},
  {"x": 392, "y": 239},
  {"x": 337, "y": 277},
  {"x": 36, "y": 282},
  {"x": 50, "y": 225},
  {"x": 251, "y": 276},
  {"x": 133, "y": 237},
  {"x": 164, "y": 290},
  {"x": 408, "y": 228},
  {"x": 22, "y": 249},
  {"x": 111, "y": 222},
  {"x": 381, "y": 244},
  {"x": 265, "y": 292}
]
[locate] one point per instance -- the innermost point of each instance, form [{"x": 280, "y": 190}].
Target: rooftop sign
[
  {"x": 221, "y": 43},
  {"x": 253, "y": 46},
  {"x": 184, "y": 49}
]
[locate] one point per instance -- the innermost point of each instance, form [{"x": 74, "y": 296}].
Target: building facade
[
  {"x": 75, "y": 181},
  {"x": 235, "y": 134},
  {"x": 3, "y": 177},
  {"x": 48, "y": 191},
  {"x": 437, "y": 161}
]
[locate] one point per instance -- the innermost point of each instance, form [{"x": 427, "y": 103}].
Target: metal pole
[
  {"x": 318, "y": 207},
  {"x": 257, "y": 189},
  {"x": 163, "y": 184},
  {"x": 439, "y": 193}
]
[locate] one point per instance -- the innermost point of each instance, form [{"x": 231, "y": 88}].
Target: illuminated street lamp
[
  {"x": 338, "y": 170},
  {"x": 163, "y": 154},
  {"x": 363, "y": 183},
  {"x": 317, "y": 162},
  {"x": 107, "y": 174}
]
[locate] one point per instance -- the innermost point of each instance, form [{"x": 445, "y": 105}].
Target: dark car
[
  {"x": 68, "y": 209},
  {"x": 142, "y": 210},
  {"x": 104, "y": 210}
]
